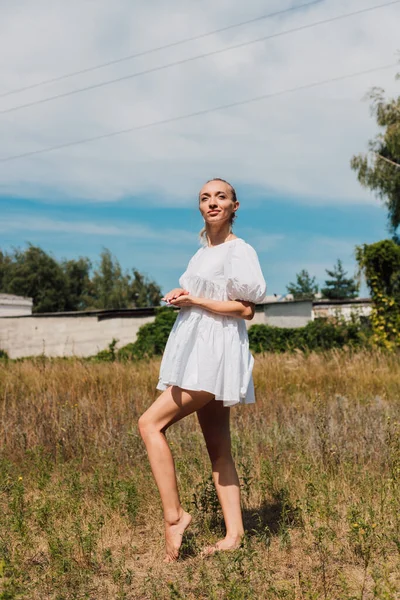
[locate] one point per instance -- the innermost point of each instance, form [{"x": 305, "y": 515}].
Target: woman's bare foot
[
  {"x": 173, "y": 536},
  {"x": 228, "y": 543}
]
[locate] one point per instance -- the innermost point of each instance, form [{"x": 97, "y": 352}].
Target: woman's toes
[
  {"x": 169, "y": 558},
  {"x": 225, "y": 544},
  {"x": 209, "y": 550}
]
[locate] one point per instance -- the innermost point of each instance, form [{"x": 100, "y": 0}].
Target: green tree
[
  {"x": 112, "y": 288},
  {"x": 69, "y": 285},
  {"x": 142, "y": 291},
  {"x": 339, "y": 286},
  {"x": 79, "y": 285},
  {"x": 305, "y": 287},
  {"x": 5, "y": 265},
  {"x": 379, "y": 169},
  {"x": 380, "y": 263},
  {"x": 35, "y": 274},
  {"x": 110, "y": 285}
]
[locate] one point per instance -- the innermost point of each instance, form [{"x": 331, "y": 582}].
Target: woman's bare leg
[
  {"x": 214, "y": 422},
  {"x": 171, "y": 406}
]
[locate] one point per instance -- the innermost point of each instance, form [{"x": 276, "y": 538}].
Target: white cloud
[
  {"x": 263, "y": 242},
  {"x": 340, "y": 246},
  {"x": 299, "y": 144},
  {"x": 11, "y": 223}
]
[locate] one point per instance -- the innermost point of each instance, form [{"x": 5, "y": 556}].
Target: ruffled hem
[
  {"x": 249, "y": 399},
  {"x": 208, "y": 351},
  {"x": 211, "y": 354}
]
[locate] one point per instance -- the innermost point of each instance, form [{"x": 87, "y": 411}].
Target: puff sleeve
[{"x": 243, "y": 275}]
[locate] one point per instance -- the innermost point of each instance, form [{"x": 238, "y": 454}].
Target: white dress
[{"x": 207, "y": 351}]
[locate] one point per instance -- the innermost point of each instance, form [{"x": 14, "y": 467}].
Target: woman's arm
[{"x": 229, "y": 308}]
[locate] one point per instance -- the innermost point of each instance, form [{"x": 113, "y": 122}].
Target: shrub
[
  {"x": 380, "y": 263},
  {"x": 107, "y": 355},
  {"x": 152, "y": 337},
  {"x": 320, "y": 334}
]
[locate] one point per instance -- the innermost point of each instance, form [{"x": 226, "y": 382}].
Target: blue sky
[
  {"x": 288, "y": 236},
  {"x": 136, "y": 194}
]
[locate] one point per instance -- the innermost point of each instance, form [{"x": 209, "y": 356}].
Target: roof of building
[
  {"x": 13, "y": 299},
  {"x": 147, "y": 311}
]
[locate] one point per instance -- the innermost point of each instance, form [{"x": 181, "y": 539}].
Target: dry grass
[{"x": 319, "y": 461}]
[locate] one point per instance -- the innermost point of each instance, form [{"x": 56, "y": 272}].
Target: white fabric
[{"x": 207, "y": 351}]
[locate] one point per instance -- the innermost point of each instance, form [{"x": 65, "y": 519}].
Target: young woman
[{"x": 207, "y": 366}]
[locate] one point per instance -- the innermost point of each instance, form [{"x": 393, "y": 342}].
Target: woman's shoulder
[
  {"x": 242, "y": 254},
  {"x": 240, "y": 245}
]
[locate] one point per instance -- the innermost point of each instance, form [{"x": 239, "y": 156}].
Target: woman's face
[{"x": 215, "y": 202}]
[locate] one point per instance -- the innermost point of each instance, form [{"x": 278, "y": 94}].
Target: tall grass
[{"x": 318, "y": 456}]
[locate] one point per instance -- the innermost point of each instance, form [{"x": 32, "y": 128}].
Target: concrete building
[
  {"x": 295, "y": 313},
  {"x": 11, "y": 306},
  {"x": 360, "y": 307},
  {"x": 85, "y": 333},
  {"x": 82, "y": 333}
]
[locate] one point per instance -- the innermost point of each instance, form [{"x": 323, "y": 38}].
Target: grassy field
[{"x": 318, "y": 456}]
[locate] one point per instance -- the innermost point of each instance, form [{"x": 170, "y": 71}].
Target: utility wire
[
  {"x": 195, "y": 114},
  {"x": 157, "y": 49},
  {"x": 193, "y": 58}
]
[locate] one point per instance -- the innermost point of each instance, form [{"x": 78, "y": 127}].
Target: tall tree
[
  {"x": 79, "y": 285},
  {"x": 305, "y": 287},
  {"x": 112, "y": 288},
  {"x": 70, "y": 285},
  {"x": 35, "y": 274},
  {"x": 5, "y": 265},
  {"x": 339, "y": 286},
  {"x": 142, "y": 291},
  {"x": 379, "y": 170},
  {"x": 110, "y": 285}
]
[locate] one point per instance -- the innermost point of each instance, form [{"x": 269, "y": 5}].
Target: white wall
[
  {"x": 65, "y": 336},
  {"x": 85, "y": 334},
  {"x": 344, "y": 310},
  {"x": 11, "y": 305},
  {"x": 288, "y": 314}
]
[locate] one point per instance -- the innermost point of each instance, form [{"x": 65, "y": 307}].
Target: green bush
[
  {"x": 107, "y": 355},
  {"x": 3, "y": 355},
  {"x": 152, "y": 337},
  {"x": 320, "y": 334}
]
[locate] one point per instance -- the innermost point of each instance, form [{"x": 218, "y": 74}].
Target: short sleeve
[{"x": 243, "y": 275}]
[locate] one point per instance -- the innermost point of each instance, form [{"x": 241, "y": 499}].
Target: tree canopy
[
  {"x": 305, "y": 287},
  {"x": 34, "y": 273},
  {"x": 380, "y": 263},
  {"x": 379, "y": 169},
  {"x": 69, "y": 285},
  {"x": 339, "y": 286}
]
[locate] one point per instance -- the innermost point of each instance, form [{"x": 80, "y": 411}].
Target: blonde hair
[{"x": 203, "y": 231}]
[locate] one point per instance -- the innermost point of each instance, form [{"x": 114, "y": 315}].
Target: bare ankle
[
  {"x": 173, "y": 518},
  {"x": 236, "y": 535}
]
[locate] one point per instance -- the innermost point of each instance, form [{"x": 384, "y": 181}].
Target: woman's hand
[
  {"x": 184, "y": 300},
  {"x": 175, "y": 293}
]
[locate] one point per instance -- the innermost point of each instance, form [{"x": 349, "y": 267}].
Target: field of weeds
[{"x": 318, "y": 456}]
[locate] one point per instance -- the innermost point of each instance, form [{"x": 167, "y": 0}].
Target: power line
[
  {"x": 196, "y": 114},
  {"x": 193, "y": 58},
  {"x": 157, "y": 49}
]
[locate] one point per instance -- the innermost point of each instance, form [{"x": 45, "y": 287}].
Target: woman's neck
[{"x": 215, "y": 238}]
